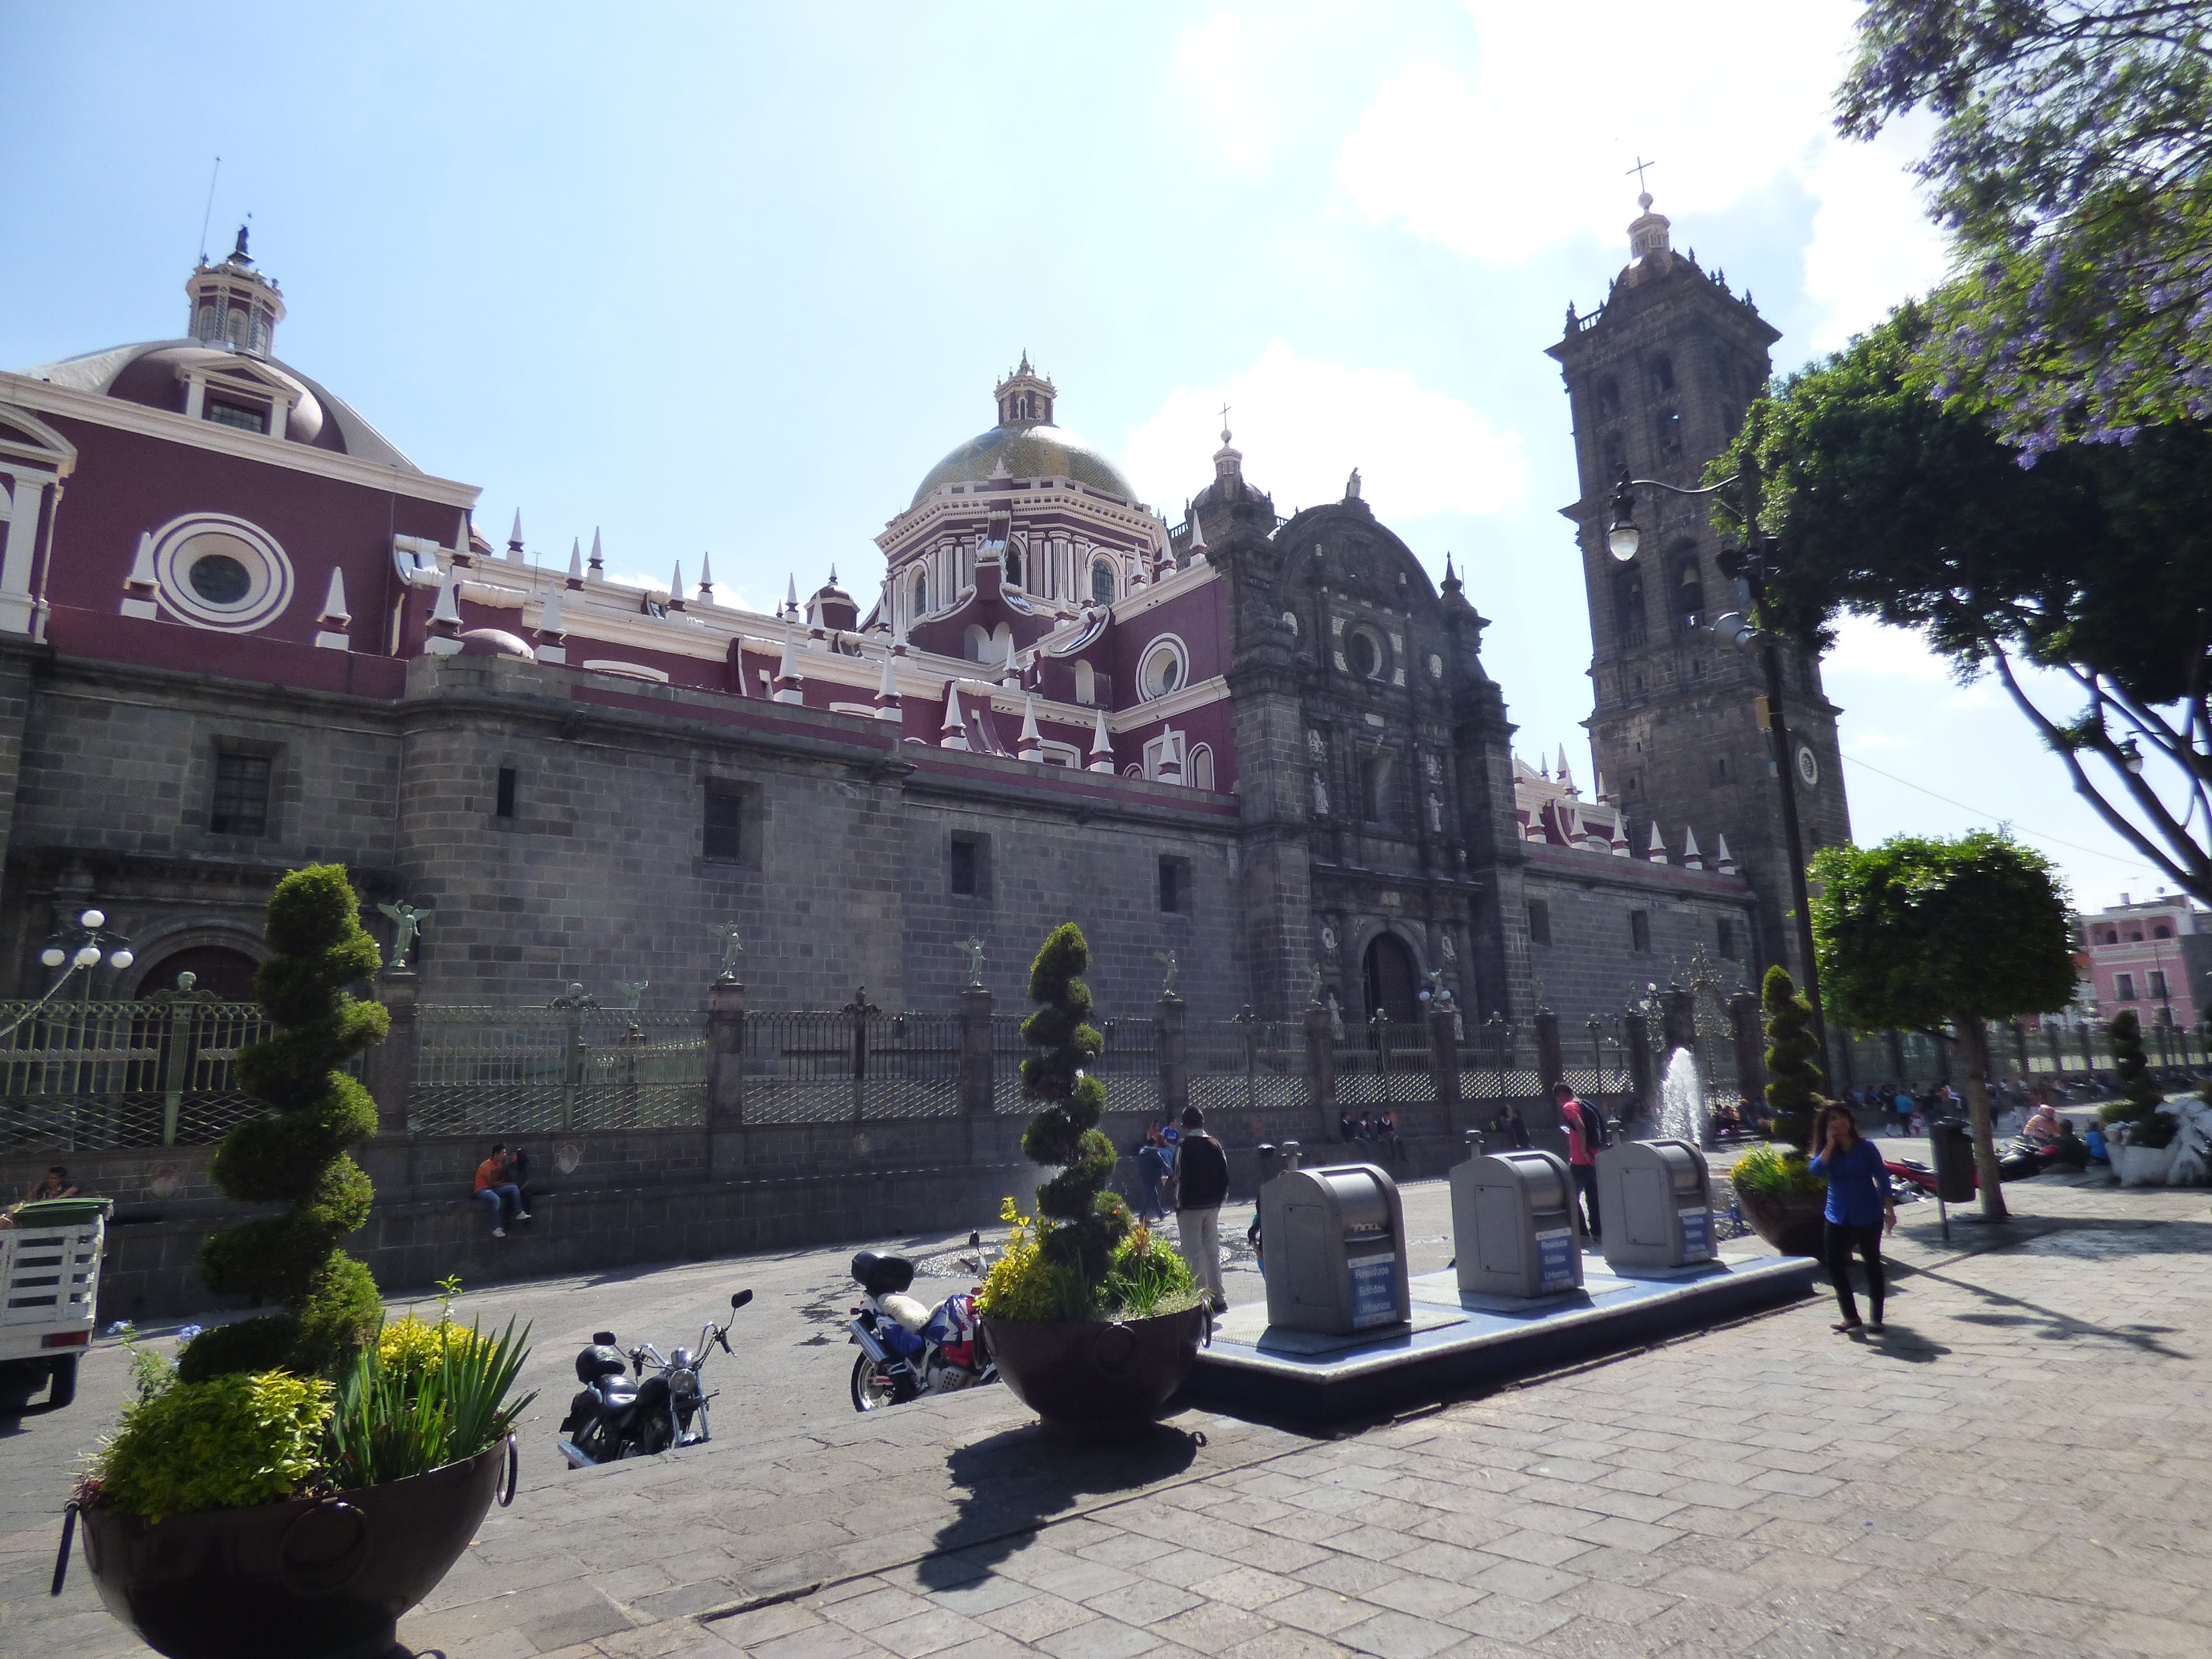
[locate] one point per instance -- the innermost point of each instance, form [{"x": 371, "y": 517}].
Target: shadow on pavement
[{"x": 1015, "y": 1481}]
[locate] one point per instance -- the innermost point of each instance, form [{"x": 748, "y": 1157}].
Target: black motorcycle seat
[
  {"x": 882, "y": 1275},
  {"x": 615, "y": 1391}
]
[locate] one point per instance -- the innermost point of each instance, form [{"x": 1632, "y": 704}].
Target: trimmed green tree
[
  {"x": 298, "y": 1153},
  {"x": 2138, "y": 1106},
  {"x": 1919, "y": 933},
  {"x": 1080, "y": 1220},
  {"x": 1793, "y": 1079}
]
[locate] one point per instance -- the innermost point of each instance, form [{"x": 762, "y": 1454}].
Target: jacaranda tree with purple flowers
[
  {"x": 2072, "y": 166},
  {"x": 2095, "y": 562}
]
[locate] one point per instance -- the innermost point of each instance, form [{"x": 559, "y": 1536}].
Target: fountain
[{"x": 1683, "y": 1115}]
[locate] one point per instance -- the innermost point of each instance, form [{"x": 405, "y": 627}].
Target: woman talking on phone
[{"x": 1859, "y": 1207}]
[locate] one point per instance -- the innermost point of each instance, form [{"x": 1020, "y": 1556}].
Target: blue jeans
[{"x": 506, "y": 1202}]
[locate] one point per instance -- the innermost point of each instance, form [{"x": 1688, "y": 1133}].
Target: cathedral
[{"x": 239, "y": 631}]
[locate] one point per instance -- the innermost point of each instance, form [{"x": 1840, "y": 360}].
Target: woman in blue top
[{"x": 1858, "y": 1198}]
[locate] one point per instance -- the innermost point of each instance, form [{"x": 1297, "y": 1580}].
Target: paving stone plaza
[{"x": 2018, "y": 1469}]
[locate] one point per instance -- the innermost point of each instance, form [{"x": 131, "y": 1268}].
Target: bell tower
[
  {"x": 1025, "y": 398},
  {"x": 1658, "y": 379}
]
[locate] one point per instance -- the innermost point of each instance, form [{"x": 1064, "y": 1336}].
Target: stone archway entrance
[
  {"x": 1393, "y": 980},
  {"x": 226, "y": 974}
]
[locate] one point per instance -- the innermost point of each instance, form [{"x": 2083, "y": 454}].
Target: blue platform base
[{"x": 1458, "y": 1343}]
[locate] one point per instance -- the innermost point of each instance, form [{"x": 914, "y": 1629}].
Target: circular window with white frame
[
  {"x": 1164, "y": 668},
  {"x": 214, "y": 571},
  {"x": 1368, "y": 658}
]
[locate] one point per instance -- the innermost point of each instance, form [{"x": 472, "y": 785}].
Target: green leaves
[
  {"x": 1916, "y": 932},
  {"x": 404, "y": 1408},
  {"x": 1793, "y": 1079},
  {"x": 1079, "y": 1223},
  {"x": 227, "y": 1443}
]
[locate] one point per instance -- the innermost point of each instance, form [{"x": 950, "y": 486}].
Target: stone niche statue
[{"x": 1320, "y": 796}]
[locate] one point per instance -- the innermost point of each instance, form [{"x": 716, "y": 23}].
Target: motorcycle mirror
[
  {"x": 604, "y": 1339},
  {"x": 741, "y": 1298}
]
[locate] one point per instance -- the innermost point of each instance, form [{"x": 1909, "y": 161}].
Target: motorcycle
[
  {"x": 909, "y": 1349},
  {"x": 623, "y": 1413}
]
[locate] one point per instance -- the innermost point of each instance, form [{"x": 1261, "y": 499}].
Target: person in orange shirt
[{"x": 502, "y": 1194}]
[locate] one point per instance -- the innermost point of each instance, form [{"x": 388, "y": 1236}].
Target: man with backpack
[
  {"x": 1586, "y": 1134},
  {"x": 1204, "y": 1185}
]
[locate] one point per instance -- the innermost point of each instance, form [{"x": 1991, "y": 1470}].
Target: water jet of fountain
[{"x": 1683, "y": 1113}]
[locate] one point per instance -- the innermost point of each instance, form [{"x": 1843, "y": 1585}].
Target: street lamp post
[
  {"x": 84, "y": 944},
  {"x": 1749, "y": 565}
]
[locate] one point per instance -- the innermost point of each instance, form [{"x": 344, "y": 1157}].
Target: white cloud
[
  {"x": 1864, "y": 646},
  {"x": 1222, "y": 64},
  {"x": 1872, "y": 244},
  {"x": 1519, "y": 156},
  {"x": 1304, "y": 425}
]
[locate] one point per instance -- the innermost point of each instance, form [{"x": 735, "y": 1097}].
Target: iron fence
[
  {"x": 1244, "y": 1063},
  {"x": 82, "y": 1074},
  {"x": 481, "y": 1071},
  {"x": 1388, "y": 1063},
  {"x": 850, "y": 1065}
]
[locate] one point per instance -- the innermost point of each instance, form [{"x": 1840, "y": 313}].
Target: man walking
[
  {"x": 1204, "y": 1184},
  {"x": 1152, "y": 1177},
  {"x": 495, "y": 1187},
  {"x": 1582, "y": 1135}
]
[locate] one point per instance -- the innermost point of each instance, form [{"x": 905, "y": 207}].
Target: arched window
[
  {"x": 1102, "y": 581},
  {"x": 1615, "y": 454},
  {"x": 1662, "y": 372},
  {"x": 1086, "y": 684},
  {"x": 1608, "y": 398},
  {"x": 205, "y": 327},
  {"x": 1013, "y": 567},
  {"x": 1200, "y": 774},
  {"x": 1628, "y": 605},
  {"x": 1670, "y": 435},
  {"x": 2161, "y": 931},
  {"x": 236, "y": 329},
  {"x": 918, "y": 594}
]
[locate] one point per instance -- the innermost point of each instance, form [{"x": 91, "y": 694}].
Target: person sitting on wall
[
  {"x": 56, "y": 1184},
  {"x": 2041, "y": 1129},
  {"x": 1344, "y": 1126},
  {"x": 2072, "y": 1151},
  {"x": 495, "y": 1187}
]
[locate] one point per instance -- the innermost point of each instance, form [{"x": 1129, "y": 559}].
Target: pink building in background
[{"x": 2154, "y": 956}]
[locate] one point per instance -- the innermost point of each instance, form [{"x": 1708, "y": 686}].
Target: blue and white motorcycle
[{"x": 908, "y": 1348}]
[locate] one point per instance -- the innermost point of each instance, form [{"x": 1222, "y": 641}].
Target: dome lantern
[
  {"x": 234, "y": 304},
  {"x": 1025, "y": 398}
]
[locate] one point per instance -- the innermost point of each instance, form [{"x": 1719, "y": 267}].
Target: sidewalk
[{"x": 1769, "y": 1489}]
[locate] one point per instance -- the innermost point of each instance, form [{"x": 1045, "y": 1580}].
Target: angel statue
[
  {"x": 1166, "y": 959},
  {"x": 732, "y": 948},
  {"x": 406, "y": 923},
  {"x": 633, "y": 994},
  {"x": 1319, "y": 984},
  {"x": 974, "y": 947}
]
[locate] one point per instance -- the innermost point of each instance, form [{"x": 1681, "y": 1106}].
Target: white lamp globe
[
  {"x": 53, "y": 956},
  {"x": 86, "y": 955},
  {"x": 122, "y": 959},
  {"x": 93, "y": 918}
]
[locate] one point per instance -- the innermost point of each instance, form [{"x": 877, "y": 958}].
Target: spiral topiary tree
[
  {"x": 1087, "y": 1221},
  {"x": 1793, "y": 1080},
  {"x": 298, "y": 1151},
  {"x": 2138, "y": 1106}
]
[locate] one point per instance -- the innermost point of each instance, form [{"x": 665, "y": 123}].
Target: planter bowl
[
  {"x": 309, "y": 1578},
  {"x": 2145, "y": 1166},
  {"x": 1097, "y": 1373},
  {"x": 1794, "y": 1223}
]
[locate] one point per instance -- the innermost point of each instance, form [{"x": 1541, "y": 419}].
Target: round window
[
  {"x": 214, "y": 571},
  {"x": 1164, "y": 668},
  {"x": 1809, "y": 768},
  {"x": 1366, "y": 656},
  {"x": 219, "y": 579}
]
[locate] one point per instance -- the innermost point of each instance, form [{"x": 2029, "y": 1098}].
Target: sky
[{"x": 730, "y": 278}]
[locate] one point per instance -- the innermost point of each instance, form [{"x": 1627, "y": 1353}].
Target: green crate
[{"x": 62, "y": 1211}]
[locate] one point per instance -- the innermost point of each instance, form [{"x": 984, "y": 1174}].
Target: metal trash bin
[
  {"x": 1513, "y": 1227},
  {"x": 1654, "y": 1202},
  {"x": 1951, "y": 1150},
  {"x": 1336, "y": 1250}
]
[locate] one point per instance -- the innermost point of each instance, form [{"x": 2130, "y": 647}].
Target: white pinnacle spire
[
  {"x": 1658, "y": 853},
  {"x": 1692, "y": 859},
  {"x": 513, "y": 536},
  {"x": 444, "y": 610},
  {"x": 1031, "y": 747},
  {"x": 887, "y": 694},
  {"x": 1197, "y": 534},
  {"x": 597, "y": 564},
  {"x": 788, "y": 682},
  {"x": 676, "y": 587},
  {"x": 1723, "y": 861},
  {"x": 1102, "y": 746},
  {"x": 576, "y": 559},
  {"x": 954, "y": 728},
  {"x": 1566, "y": 778},
  {"x": 705, "y": 580},
  {"x": 550, "y": 621},
  {"x": 791, "y": 597},
  {"x": 335, "y": 614},
  {"x": 1010, "y": 673}
]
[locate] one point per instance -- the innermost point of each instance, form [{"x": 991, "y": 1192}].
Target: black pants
[
  {"x": 1840, "y": 1240},
  {"x": 1585, "y": 1177}
]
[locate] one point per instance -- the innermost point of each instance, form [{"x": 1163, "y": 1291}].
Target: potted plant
[
  {"x": 1791, "y": 1049},
  {"x": 2141, "y": 1137},
  {"x": 1781, "y": 1197},
  {"x": 1092, "y": 1321},
  {"x": 299, "y": 1481}
]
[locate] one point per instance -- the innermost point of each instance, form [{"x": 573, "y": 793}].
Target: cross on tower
[
  {"x": 1224, "y": 422},
  {"x": 1638, "y": 171}
]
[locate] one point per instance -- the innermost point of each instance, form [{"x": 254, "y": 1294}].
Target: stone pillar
[
  {"x": 1551, "y": 1063},
  {"x": 725, "y": 1078},
  {"x": 1321, "y": 1070},
  {"x": 1679, "y": 1006},
  {"x": 2057, "y": 1051},
  {"x": 1443, "y": 1064},
  {"x": 1174, "y": 1070},
  {"x": 389, "y": 1067},
  {"x": 1636, "y": 1033},
  {"x": 1749, "y": 1030},
  {"x": 976, "y": 1099}
]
